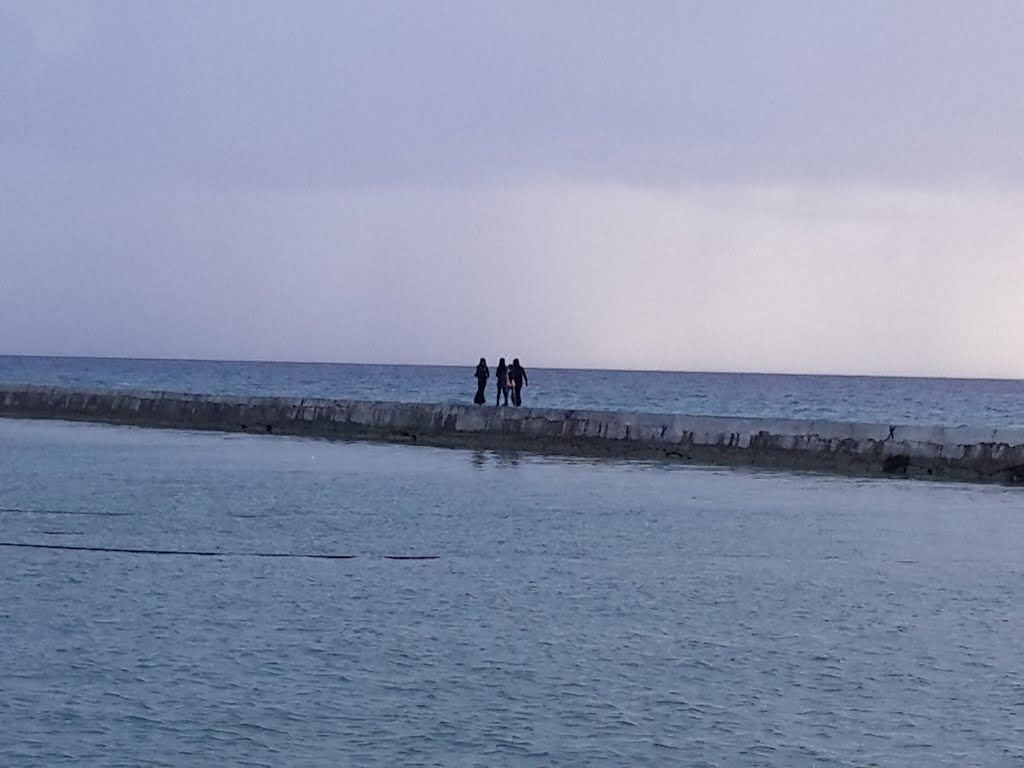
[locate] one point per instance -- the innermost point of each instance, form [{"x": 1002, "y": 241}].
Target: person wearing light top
[{"x": 518, "y": 375}]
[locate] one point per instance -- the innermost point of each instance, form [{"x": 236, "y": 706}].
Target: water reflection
[{"x": 502, "y": 457}]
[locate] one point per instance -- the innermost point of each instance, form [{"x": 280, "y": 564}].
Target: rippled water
[
  {"x": 577, "y": 613},
  {"x": 948, "y": 402}
]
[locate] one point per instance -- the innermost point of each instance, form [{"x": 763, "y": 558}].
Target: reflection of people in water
[
  {"x": 501, "y": 379},
  {"x": 482, "y": 375},
  {"x": 518, "y": 375}
]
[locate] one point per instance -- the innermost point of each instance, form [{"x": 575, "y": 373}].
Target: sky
[{"x": 785, "y": 186}]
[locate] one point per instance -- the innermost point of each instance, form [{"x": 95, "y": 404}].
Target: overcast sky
[{"x": 832, "y": 187}]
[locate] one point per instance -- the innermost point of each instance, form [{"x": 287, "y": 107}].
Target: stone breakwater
[{"x": 953, "y": 453}]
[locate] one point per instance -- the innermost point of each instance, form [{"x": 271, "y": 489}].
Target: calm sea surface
[
  {"x": 575, "y": 612},
  {"x": 947, "y": 402}
]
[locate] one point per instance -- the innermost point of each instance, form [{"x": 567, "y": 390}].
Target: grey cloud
[
  {"x": 350, "y": 94},
  {"x": 719, "y": 185}
]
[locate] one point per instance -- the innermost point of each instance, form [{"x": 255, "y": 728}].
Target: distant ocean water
[{"x": 947, "y": 402}]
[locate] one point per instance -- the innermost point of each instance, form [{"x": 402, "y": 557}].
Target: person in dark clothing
[
  {"x": 482, "y": 375},
  {"x": 501, "y": 379},
  {"x": 518, "y": 375}
]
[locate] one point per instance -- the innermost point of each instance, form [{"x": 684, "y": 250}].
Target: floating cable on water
[
  {"x": 187, "y": 552},
  {"x": 17, "y": 511},
  {"x": 202, "y": 553}
]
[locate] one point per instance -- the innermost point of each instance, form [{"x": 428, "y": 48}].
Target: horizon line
[{"x": 537, "y": 367}]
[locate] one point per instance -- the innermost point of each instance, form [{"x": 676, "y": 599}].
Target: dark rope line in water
[
  {"x": 195, "y": 553},
  {"x": 15, "y": 510},
  {"x": 202, "y": 553}
]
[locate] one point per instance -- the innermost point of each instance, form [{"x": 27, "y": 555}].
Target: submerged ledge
[{"x": 949, "y": 453}]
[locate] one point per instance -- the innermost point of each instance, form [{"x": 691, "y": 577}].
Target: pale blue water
[
  {"x": 948, "y": 402},
  {"x": 574, "y": 612},
  {"x": 577, "y": 612}
]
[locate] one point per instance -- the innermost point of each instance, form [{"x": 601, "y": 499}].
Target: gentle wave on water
[
  {"x": 947, "y": 402},
  {"x": 578, "y": 612}
]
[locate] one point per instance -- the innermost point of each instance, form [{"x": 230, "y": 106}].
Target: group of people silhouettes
[{"x": 510, "y": 380}]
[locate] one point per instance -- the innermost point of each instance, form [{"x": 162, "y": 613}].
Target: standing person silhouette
[
  {"x": 501, "y": 379},
  {"x": 482, "y": 375},
  {"x": 518, "y": 375}
]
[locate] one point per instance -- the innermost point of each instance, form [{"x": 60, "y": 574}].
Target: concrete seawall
[{"x": 954, "y": 453}]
